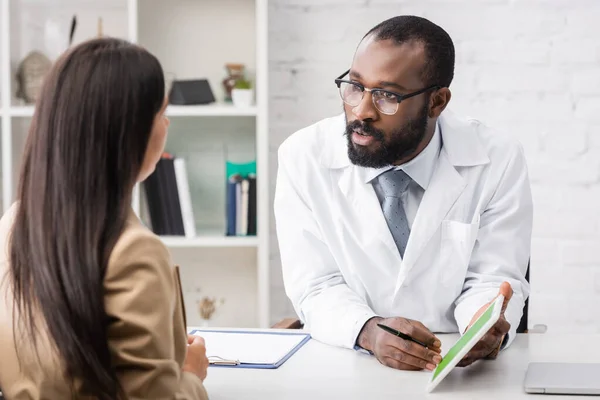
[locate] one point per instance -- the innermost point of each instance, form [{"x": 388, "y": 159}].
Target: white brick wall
[{"x": 529, "y": 67}]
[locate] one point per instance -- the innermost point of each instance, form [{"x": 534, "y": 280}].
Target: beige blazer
[{"x": 146, "y": 333}]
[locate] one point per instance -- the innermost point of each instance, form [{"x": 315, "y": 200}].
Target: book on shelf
[
  {"x": 241, "y": 200},
  {"x": 169, "y": 199}
]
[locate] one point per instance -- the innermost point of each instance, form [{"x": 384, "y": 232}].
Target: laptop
[{"x": 563, "y": 378}]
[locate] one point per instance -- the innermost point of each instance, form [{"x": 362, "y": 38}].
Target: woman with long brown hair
[{"x": 90, "y": 304}]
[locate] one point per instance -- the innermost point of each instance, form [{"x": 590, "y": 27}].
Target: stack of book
[
  {"x": 169, "y": 200},
  {"x": 241, "y": 205}
]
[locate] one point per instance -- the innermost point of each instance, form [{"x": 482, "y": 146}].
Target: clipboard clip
[{"x": 216, "y": 360}]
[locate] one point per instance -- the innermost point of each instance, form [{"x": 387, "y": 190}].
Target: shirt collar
[{"x": 419, "y": 168}]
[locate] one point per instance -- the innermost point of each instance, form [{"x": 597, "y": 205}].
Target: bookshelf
[
  {"x": 214, "y": 110},
  {"x": 215, "y": 240},
  {"x": 193, "y": 40}
]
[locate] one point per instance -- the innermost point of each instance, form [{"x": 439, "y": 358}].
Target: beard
[{"x": 402, "y": 141}]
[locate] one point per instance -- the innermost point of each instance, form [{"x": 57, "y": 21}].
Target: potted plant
[{"x": 242, "y": 93}]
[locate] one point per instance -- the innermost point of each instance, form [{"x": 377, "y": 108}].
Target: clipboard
[{"x": 287, "y": 350}]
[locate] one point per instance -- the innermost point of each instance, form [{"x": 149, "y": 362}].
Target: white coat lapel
[
  {"x": 365, "y": 203},
  {"x": 445, "y": 187},
  {"x": 369, "y": 220},
  {"x": 460, "y": 147}
]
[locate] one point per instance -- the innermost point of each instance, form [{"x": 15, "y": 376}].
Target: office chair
[{"x": 522, "y": 328}]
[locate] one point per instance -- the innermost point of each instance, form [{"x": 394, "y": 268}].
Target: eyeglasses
[{"x": 385, "y": 101}]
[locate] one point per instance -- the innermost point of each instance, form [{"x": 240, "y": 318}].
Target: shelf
[
  {"x": 210, "y": 241},
  {"x": 212, "y": 110},
  {"x": 205, "y": 135},
  {"x": 21, "y": 111},
  {"x": 76, "y": 3}
]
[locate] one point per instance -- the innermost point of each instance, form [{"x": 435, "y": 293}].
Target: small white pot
[{"x": 242, "y": 97}]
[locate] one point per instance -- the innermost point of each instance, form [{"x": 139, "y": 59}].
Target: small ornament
[
  {"x": 30, "y": 76},
  {"x": 207, "y": 307},
  {"x": 235, "y": 72}
]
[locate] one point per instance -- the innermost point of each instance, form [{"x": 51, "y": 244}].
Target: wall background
[{"x": 529, "y": 67}]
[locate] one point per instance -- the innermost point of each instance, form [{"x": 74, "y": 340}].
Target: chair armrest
[{"x": 288, "y": 323}]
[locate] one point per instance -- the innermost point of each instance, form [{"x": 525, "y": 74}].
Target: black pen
[{"x": 400, "y": 334}]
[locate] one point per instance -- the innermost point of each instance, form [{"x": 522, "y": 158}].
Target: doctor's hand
[
  {"x": 489, "y": 345},
  {"x": 394, "y": 352}
]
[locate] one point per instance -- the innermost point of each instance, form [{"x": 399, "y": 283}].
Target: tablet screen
[{"x": 469, "y": 339}]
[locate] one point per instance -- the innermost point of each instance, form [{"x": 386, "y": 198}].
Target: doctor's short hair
[{"x": 439, "y": 49}]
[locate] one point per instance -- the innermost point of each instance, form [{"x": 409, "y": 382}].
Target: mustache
[{"x": 365, "y": 127}]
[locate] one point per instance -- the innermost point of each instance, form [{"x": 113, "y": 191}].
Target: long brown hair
[{"x": 84, "y": 151}]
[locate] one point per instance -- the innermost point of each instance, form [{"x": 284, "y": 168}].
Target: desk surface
[{"x": 318, "y": 371}]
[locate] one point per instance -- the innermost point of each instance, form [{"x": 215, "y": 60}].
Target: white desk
[{"x": 318, "y": 371}]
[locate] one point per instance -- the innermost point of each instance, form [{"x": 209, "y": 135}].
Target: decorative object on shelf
[
  {"x": 30, "y": 75},
  {"x": 73, "y": 27},
  {"x": 241, "y": 199},
  {"x": 235, "y": 72},
  {"x": 242, "y": 93},
  {"x": 100, "y": 29},
  {"x": 187, "y": 92},
  {"x": 207, "y": 307},
  {"x": 33, "y": 69}
]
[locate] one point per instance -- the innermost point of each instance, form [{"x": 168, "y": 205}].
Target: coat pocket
[{"x": 458, "y": 240}]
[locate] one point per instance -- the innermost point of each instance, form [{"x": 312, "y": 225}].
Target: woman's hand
[{"x": 196, "y": 361}]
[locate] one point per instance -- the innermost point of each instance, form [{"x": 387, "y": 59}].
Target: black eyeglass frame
[{"x": 399, "y": 97}]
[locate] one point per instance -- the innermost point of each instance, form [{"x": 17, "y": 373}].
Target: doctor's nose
[{"x": 365, "y": 109}]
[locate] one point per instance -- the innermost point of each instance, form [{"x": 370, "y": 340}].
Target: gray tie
[{"x": 393, "y": 183}]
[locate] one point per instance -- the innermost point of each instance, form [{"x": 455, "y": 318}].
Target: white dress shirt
[{"x": 419, "y": 169}]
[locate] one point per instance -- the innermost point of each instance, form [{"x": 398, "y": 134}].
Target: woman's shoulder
[
  {"x": 138, "y": 245},
  {"x": 8, "y": 218},
  {"x": 6, "y": 224}
]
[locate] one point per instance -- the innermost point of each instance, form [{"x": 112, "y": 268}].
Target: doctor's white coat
[{"x": 341, "y": 267}]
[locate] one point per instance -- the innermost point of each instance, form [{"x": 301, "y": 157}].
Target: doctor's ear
[{"x": 438, "y": 101}]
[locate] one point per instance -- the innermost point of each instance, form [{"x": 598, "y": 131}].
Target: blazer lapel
[{"x": 179, "y": 290}]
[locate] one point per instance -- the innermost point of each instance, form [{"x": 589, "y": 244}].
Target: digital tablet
[{"x": 471, "y": 337}]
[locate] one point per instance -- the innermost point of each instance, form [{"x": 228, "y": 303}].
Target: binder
[
  {"x": 183, "y": 188},
  {"x": 244, "y": 208},
  {"x": 238, "y": 207},
  {"x": 231, "y": 207},
  {"x": 163, "y": 192},
  {"x": 252, "y": 205},
  {"x": 240, "y": 198},
  {"x": 255, "y": 343},
  {"x": 174, "y": 205},
  {"x": 155, "y": 203}
]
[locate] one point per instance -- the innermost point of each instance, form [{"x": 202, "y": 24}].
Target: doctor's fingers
[
  {"x": 415, "y": 350},
  {"x": 436, "y": 345},
  {"x": 467, "y": 360},
  {"x": 501, "y": 327},
  {"x": 487, "y": 345},
  {"x": 480, "y": 351},
  {"x": 416, "y": 330},
  {"x": 404, "y": 361}
]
